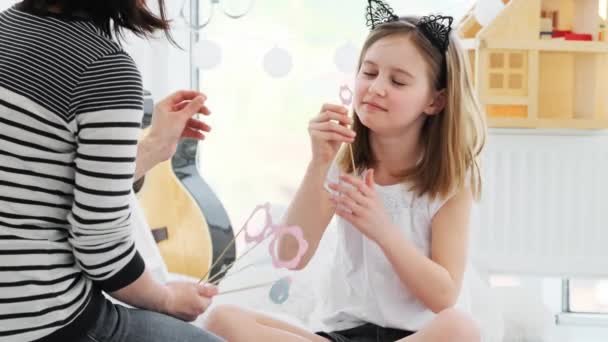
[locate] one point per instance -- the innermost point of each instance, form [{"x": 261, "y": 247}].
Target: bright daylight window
[
  {"x": 267, "y": 74},
  {"x": 587, "y": 296}
]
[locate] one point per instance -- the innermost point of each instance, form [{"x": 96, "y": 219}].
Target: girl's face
[{"x": 392, "y": 89}]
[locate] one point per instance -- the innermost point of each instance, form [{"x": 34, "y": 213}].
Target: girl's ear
[{"x": 438, "y": 104}]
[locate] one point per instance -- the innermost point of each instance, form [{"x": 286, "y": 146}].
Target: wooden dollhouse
[{"x": 541, "y": 64}]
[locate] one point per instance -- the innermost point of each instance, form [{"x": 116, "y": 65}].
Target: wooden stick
[
  {"x": 237, "y": 259},
  {"x": 215, "y": 280},
  {"x": 352, "y": 159},
  {"x": 222, "y": 254},
  {"x": 246, "y": 288}
]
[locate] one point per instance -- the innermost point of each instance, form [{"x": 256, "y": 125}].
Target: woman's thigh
[{"x": 117, "y": 323}]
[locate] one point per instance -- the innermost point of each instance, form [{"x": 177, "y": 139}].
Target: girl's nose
[{"x": 377, "y": 87}]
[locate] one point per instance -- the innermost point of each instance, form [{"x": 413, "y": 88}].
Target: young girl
[{"x": 403, "y": 214}]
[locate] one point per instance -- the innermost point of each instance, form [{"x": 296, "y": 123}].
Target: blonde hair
[{"x": 452, "y": 139}]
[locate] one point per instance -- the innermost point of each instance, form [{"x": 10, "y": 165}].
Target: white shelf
[
  {"x": 549, "y": 45},
  {"x": 548, "y": 123}
]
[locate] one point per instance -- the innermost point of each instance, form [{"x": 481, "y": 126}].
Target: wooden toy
[{"x": 540, "y": 64}]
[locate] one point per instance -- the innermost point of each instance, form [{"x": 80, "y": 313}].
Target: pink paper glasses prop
[
  {"x": 280, "y": 288},
  {"x": 278, "y": 232},
  {"x": 346, "y": 96}
]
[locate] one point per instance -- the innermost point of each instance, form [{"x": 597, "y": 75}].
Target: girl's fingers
[
  {"x": 357, "y": 184},
  {"x": 334, "y": 132},
  {"x": 345, "y": 214},
  {"x": 334, "y": 108},
  {"x": 350, "y": 192},
  {"x": 342, "y": 119},
  {"x": 348, "y": 203},
  {"x": 330, "y": 126},
  {"x": 331, "y": 136}
]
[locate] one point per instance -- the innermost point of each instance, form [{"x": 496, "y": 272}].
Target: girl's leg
[
  {"x": 449, "y": 325},
  {"x": 238, "y": 325}
]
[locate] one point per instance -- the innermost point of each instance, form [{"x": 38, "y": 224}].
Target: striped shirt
[{"x": 70, "y": 115}]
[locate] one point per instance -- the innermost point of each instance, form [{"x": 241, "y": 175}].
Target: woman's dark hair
[{"x": 113, "y": 17}]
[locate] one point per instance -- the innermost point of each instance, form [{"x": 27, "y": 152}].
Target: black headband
[{"x": 436, "y": 28}]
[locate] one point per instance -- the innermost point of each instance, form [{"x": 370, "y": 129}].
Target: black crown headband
[{"x": 436, "y": 28}]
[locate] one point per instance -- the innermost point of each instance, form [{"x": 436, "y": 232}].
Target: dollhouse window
[{"x": 508, "y": 72}]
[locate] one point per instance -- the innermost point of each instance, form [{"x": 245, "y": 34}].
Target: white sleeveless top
[{"x": 360, "y": 285}]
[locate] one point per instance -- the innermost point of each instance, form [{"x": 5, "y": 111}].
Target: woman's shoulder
[{"x": 78, "y": 37}]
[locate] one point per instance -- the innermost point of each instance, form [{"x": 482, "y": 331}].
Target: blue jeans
[{"x": 117, "y": 323}]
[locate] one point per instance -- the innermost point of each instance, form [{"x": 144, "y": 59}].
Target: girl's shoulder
[{"x": 435, "y": 204}]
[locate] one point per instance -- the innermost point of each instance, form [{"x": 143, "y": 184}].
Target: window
[
  {"x": 267, "y": 74},
  {"x": 586, "y": 296}
]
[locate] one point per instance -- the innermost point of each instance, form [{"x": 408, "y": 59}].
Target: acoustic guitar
[{"x": 188, "y": 221}]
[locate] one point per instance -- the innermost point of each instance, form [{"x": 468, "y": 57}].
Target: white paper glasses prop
[{"x": 256, "y": 233}]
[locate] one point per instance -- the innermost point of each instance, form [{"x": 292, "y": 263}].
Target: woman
[{"x": 70, "y": 113}]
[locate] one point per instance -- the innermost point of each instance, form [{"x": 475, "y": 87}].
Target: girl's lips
[{"x": 374, "y": 107}]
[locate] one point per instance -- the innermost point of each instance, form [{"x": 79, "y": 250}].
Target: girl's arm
[
  {"x": 311, "y": 209},
  {"x": 436, "y": 281}
]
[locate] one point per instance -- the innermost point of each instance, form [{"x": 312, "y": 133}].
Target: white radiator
[{"x": 543, "y": 209}]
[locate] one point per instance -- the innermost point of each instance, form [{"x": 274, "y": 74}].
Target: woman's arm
[{"x": 183, "y": 300}]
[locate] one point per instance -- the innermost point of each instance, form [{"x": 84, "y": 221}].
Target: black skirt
[{"x": 367, "y": 333}]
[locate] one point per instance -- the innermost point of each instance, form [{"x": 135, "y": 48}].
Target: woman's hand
[
  {"x": 171, "y": 121},
  {"x": 328, "y": 131},
  {"x": 358, "y": 203},
  {"x": 187, "y": 300}
]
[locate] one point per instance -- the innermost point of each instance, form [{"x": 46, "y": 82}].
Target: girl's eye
[
  {"x": 369, "y": 74},
  {"x": 398, "y": 83}
]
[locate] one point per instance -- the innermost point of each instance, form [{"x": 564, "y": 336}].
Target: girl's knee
[
  {"x": 458, "y": 326},
  {"x": 221, "y": 318}
]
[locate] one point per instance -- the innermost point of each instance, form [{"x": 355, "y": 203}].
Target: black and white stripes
[{"x": 70, "y": 114}]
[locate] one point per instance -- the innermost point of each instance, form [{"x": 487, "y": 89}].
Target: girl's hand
[
  {"x": 359, "y": 204},
  {"x": 328, "y": 131}
]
